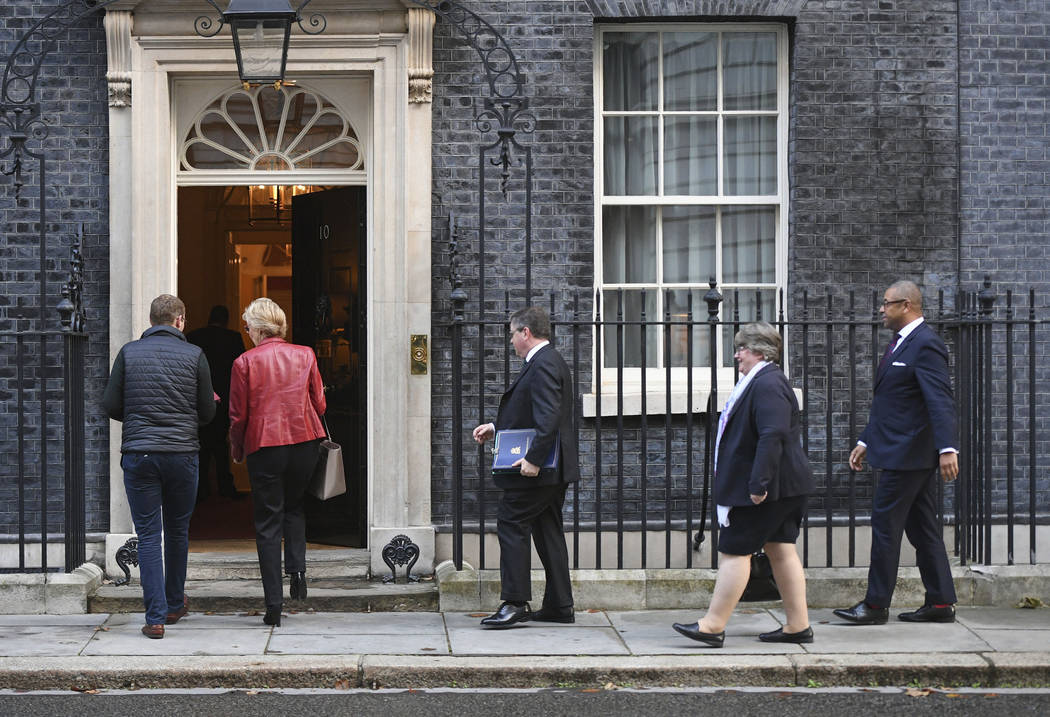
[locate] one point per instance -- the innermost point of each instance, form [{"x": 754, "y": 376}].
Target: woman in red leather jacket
[{"x": 276, "y": 401}]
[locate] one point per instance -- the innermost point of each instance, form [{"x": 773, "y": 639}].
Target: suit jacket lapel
[
  {"x": 747, "y": 390},
  {"x": 897, "y": 353},
  {"x": 525, "y": 368}
]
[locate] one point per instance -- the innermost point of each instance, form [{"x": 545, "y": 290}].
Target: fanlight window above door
[{"x": 263, "y": 129}]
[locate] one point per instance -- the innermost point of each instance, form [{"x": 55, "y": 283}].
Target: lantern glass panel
[{"x": 262, "y": 48}]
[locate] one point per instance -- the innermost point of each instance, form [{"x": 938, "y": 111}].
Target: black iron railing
[
  {"x": 647, "y": 470},
  {"x": 43, "y": 387}
]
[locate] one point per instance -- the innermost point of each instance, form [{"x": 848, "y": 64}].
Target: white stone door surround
[{"x": 152, "y": 43}]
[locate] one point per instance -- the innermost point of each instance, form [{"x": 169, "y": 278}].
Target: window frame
[{"x": 779, "y": 201}]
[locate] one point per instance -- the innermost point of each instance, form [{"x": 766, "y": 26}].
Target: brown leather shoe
[
  {"x": 174, "y": 617},
  {"x": 153, "y": 632}
]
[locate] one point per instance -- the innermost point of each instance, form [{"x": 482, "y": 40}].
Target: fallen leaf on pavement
[
  {"x": 913, "y": 692},
  {"x": 1030, "y": 603}
]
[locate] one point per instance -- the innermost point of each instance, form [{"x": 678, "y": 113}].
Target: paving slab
[
  {"x": 586, "y": 618},
  {"x": 1016, "y": 640},
  {"x": 44, "y": 640},
  {"x": 833, "y": 635},
  {"x": 1003, "y": 618},
  {"x": 534, "y": 639},
  {"x": 60, "y": 620},
  {"x": 650, "y": 633},
  {"x": 129, "y": 640},
  {"x": 193, "y": 621},
  {"x": 283, "y": 643},
  {"x": 359, "y": 623}
]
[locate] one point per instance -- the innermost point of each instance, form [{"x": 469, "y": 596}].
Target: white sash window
[{"x": 691, "y": 183}]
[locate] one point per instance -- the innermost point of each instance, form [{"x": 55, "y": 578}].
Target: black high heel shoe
[
  {"x": 273, "y": 616},
  {"x": 297, "y": 587}
]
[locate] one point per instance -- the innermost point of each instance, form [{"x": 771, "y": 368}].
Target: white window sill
[{"x": 656, "y": 401}]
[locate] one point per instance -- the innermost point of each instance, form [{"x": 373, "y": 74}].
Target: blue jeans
[{"x": 162, "y": 490}]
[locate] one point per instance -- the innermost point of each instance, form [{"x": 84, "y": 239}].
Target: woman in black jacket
[{"x": 762, "y": 477}]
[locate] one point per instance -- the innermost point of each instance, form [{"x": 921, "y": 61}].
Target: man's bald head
[{"x": 909, "y": 290}]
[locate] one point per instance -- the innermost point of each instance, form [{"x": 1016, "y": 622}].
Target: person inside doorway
[{"x": 221, "y": 346}]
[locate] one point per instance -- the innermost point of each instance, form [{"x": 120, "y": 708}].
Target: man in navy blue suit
[
  {"x": 911, "y": 433},
  {"x": 530, "y": 509}
]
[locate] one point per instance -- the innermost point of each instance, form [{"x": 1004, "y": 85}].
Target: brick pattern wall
[
  {"x": 72, "y": 91},
  {"x": 874, "y": 163},
  {"x": 1004, "y": 78}
]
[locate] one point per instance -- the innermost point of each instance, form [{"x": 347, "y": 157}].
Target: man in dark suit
[
  {"x": 221, "y": 346},
  {"x": 911, "y": 433},
  {"x": 540, "y": 398}
]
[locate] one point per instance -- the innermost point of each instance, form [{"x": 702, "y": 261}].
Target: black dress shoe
[
  {"x": 929, "y": 613},
  {"x": 557, "y": 614},
  {"x": 795, "y": 638},
  {"x": 297, "y": 586},
  {"x": 863, "y": 614},
  {"x": 273, "y": 616},
  {"x": 507, "y": 615},
  {"x": 714, "y": 639}
]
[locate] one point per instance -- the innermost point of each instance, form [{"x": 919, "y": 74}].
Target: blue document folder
[{"x": 513, "y": 444}]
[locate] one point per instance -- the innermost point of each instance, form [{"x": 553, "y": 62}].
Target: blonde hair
[{"x": 266, "y": 317}]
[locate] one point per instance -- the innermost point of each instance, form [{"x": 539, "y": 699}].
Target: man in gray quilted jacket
[{"x": 160, "y": 388}]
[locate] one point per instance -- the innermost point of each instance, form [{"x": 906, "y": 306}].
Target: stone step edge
[
  {"x": 368, "y": 598},
  {"x": 415, "y": 671},
  {"x": 250, "y": 573},
  {"x": 470, "y": 590}
]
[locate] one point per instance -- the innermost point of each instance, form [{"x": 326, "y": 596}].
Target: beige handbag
[{"x": 328, "y": 479}]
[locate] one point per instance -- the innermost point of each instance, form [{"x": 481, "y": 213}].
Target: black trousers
[
  {"x": 527, "y": 516},
  {"x": 906, "y": 503},
  {"x": 280, "y": 476},
  {"x": 215, "y": 450}
]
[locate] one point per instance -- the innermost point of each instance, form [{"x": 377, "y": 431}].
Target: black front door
[{"x": 328, "y": 287}]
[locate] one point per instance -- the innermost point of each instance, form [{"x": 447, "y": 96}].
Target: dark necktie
[{"x": 889, "y": 351}]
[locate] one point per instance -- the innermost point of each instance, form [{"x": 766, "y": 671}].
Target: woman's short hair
[
  {"x": 266, "y": 317},
  {"x": 761, "y": 338}
]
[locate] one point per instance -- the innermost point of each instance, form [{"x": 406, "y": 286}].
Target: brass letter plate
[{"x": 419, "y": 355}]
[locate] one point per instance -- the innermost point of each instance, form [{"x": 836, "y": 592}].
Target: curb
[{"x": 413, "y": 671}]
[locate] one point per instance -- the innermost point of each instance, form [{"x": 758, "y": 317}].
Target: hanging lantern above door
[{"x": 261, "y": 31}]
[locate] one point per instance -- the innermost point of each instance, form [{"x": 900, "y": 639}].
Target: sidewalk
[{"x": 986, "y": 646}]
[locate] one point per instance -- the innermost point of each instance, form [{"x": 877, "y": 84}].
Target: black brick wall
[
  {"x": 72, "y": 91},
  {"x": 874, "y": 166},
  {"x": 1004, "y": 148}
]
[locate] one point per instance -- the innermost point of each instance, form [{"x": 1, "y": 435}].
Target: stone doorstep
[
  {"x": 1003, "y": 586},
  {"x": 414, "y": 671},
  {"x": 325, "y": 595},
  {"x": 245, "y": 566}
]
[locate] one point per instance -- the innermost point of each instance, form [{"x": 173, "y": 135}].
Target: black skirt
[{"x": 752, "y": 526}]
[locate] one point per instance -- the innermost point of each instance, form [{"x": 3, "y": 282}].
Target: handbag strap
[{"x": 327, "y": 433}]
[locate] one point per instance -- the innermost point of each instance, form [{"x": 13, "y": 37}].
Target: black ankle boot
[
  {"x": 273, "y": 616},
  {"x": 297, "y": 587}
]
